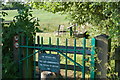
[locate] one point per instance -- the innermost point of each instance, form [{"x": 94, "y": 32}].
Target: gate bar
[
  {"x": 57, "y": 44},
  {"x": 20, "y": 50},
  {"x": 34, "y": 59},
  {"x": 66, "y": 67},
  {"x": 83, "y": 59},
  {"x": 27, "y": 58},
  {"x": 50, "y": 44},
  {"x": 29, "y": 55},
  {"x": 69, "y": 50},
  {"x": 41, "y": 41},
  {"x": 92, "y": 72},
  {"x": 75, "y": 59},
  {"x": 69, "y": 58}
]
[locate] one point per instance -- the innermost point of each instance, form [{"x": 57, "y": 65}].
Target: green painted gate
[{"x": 63, "y": 51}]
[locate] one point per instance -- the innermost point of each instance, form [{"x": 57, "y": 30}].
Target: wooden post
[
  {"x": 58, "y": 29},
  {"x": 102, "y": 49},
  {"x": 74, "y": 25},
  {"x": 1, "y": 48},
  {"x": 15, "y": 48},
  {"x": 71, "y": 31},
  {"x": 23, "y": 55},
  {"x": 117, "y": 60},
  {"x": 16, "y": 52}
]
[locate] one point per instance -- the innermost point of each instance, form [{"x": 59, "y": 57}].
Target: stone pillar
[
  {"x": 102, "y": 49},
  {"x": 117, "y": 60},
  {"x": 117, "y": 54}
]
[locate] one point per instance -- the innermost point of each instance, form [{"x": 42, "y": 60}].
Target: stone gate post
[{"x": 103, "y": 44}]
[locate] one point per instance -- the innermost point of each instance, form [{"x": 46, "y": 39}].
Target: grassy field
[{"x": 48, "y": 21}]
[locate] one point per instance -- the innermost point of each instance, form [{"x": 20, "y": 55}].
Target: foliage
[
  {"x": 23, "y": 23},
  {"x": 47, "y": 19},
  {"x": 9, "y": 68},
  {"x": 8, "y": 6},
  {"x": 104, "y": 15}
]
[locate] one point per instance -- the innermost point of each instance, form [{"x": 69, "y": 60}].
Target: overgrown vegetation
[
  {"x": 102, "y": 15},
  {"x": 9, "y": 6},
  {"x": 23, "y": 23}
]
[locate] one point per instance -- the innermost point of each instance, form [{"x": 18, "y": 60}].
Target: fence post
[
  {"x": 15, "y": 47},
  {"x": 103, "y": 44},
  {"x": 1, "y": 34},
  {"x": 16, "y": 57},
  {"x": 71, "y": 31}
]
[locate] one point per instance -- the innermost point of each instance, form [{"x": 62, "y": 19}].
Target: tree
[{"x": 100, "y": 14}]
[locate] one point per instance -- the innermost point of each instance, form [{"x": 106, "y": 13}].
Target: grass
[
  {"x": 48, "y": 17},
  {"x": 11, "y": 14},
  {"x": 48, "y": 21}
]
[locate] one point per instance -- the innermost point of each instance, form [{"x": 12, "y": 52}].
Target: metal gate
[{"x": 63, "y": 51}]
